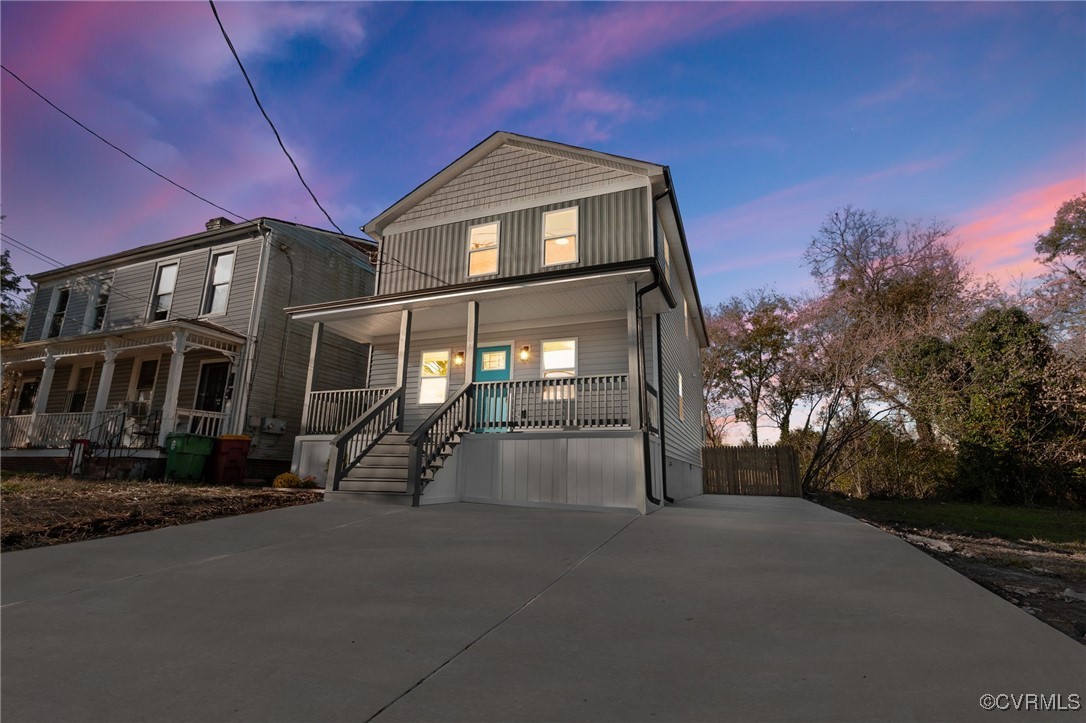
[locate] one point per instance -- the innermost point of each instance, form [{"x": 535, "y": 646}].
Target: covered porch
[
  {"x": 123, "y": 389},
  {"x": 535, "y": 360}
]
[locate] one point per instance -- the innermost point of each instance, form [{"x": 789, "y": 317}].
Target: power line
[
  {"x": 118, "y": 148},
  {"x": 267, "y": 118}
]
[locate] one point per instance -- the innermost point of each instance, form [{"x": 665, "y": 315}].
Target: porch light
[
  {"x": 525, "y": 352},
  {"x": 458, "y": 358}
]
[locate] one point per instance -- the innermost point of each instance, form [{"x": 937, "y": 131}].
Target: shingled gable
[{"x": 479, "y": 179}]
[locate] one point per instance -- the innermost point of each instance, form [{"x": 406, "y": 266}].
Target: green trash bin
[{"x": 186, "y": 455}]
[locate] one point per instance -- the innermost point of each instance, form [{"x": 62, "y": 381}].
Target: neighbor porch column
[
  {"x": 402, "y": 364},
  {"x": 315, "y": 342},
  {"x": 173, "y": 387},
  {"x": 105, "y": 381},
  {"x": 42, "y": 399}
]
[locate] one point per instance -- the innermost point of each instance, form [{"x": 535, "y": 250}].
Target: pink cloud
[{"x": 999, "y": 235}]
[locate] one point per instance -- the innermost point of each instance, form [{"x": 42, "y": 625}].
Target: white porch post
[
  {"x": 315, "y": 343},
  {"x": 42, "y": 399},
  {"x": 173, "y": 387},
  {"x": 634, "y": 364},
  {"x": 104, "y": 382},
  {"x": 402, "y": 364},
  {"x": 472, "y": 342}
]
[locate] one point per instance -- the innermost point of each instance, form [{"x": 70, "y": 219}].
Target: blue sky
[{"x": 770, "y": 115}]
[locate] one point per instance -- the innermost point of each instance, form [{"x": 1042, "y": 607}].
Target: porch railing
[
  {"x": 15, "y": 431},
  {"x": 365, "y": 432},
  {"x": 330, "y": 411},
  {"x": 435, "y": 437},
  {"x": 198, "y": 421},
  {"x": 57, "y": 430},
  {"x": 593, "y": 402}
]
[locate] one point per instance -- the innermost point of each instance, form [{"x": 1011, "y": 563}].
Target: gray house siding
[
  {"x": 613, "y": 227},
  {"x": 509, "y": 174},
  {"x": 683, "y": 439}
]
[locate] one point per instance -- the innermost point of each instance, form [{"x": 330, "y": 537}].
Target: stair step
[
  {"x": 366, "y": 497},
  {"x": 385, "y": 460},
  {"x": 366, "y": 484},
  {"x": 390, "y": 473}
]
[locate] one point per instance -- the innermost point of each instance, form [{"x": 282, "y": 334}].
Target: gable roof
[
  {"x": 210, "y": 236},
  {"x": 445, "y": 176}
]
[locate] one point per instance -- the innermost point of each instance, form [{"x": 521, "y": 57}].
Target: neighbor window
[
  {"x": 681, "y": 410},
  {"x": 433, "y": 377},
  {"x": 162, "y": 300},
  {"x": 96, "y": 313},
  {"x": 483, "y": 249},
  {"x": 60, "y": 307},
  {"x": 559, "y": 358},
  {"x": 218, "y": 283},
  {"x": 79, "y": 385},
  {"x": 560, "y": 236}
]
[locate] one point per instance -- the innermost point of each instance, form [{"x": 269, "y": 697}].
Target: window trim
[
  {"x": 682, "y": 416},
  {"x": 686, "y": 318},
  {"x": 497, "y": 249},
  {"x": 447, "y": 377},
  {"x": 73, "y": 386},
  {"x": 133, "y": 380},
  {"x": 53, "y": 302},
  {"x": 206, "y": 297},
  {"x": 155, "y": 280},
  {"x": 576, "y": 237},
  {"x": 576, "y": 356}
]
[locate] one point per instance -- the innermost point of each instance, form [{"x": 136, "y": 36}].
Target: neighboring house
[
  {"x": 185, "y": 335},
  {"x": 535, "y": 340}
]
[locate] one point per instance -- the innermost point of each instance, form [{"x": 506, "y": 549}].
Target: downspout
[
  {"x": 660, "y": 358},
  {"x": 641, "y": 396}
]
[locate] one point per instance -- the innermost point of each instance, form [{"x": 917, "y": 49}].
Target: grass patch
[
  {"x": 1008, "y": 523},
  {"x": 38, "y": 510}
]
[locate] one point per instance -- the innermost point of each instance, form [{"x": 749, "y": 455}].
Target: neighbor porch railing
[
  {"x": 15, "y": 431},
  {"x": 56, "y": 431},
  {"x": 198, "y": 421},
  {"x": 329, "y": 412},
  {"x": 593, "y": 402}
]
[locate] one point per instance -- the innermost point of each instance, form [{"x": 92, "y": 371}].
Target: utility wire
[
  {"x": 118, "y": 148},
  {"x": 267, "y": 118},
  {"x": 290, "y": 158}
]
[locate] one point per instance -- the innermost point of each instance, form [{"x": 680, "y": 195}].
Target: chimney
[{"x": 217, "y": 223}]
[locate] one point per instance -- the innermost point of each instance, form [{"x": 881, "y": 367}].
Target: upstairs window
[
  {"x": 162, "y": 300},
  {"x": 559, "y": 358},
  {"x": 60, "y": 307},
  {"x": 96, "y": 312},
  {"x": 219, "y": 274},
  {"x": 433, "y": 377},
  {"x": 560, "y": 237},
  {"x": 483, "y": 249}
]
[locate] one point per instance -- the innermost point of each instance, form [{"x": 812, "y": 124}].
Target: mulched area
[
  {"x": 38, "y": 511},
  {"x": 1047, "y": 580}
]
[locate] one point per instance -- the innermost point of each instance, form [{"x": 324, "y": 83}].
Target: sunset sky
[{"x": 769, "y": 114}]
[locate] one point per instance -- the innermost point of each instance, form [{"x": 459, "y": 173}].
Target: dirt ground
[
  {"x": 38, "y": 511},
  {"x": 1047, "y": 580}
]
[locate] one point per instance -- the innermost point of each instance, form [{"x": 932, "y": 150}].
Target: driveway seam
[
  {"x": 201, "y": 561},
  {"x": 504, "y": 620}
]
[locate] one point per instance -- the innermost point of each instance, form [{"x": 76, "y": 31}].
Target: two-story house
[
  {"x": 185, "y": 335},
  {"x": 535, "y": 340}
]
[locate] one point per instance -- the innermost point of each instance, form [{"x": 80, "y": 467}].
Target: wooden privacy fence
[{"x": 751, "y": 471}]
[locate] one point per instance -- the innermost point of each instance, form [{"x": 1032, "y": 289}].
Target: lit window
[
  {"x": 483, "y": 249},
  {"x": 559, "y": 359},
  {"x": 101, "y": 302},
  {"x": 681, "y": 411},
  {"x": 162, "y": 300},
  {"x": 218, "y": 283},
  {"x": 493, "y": 360},
  {"x": 560, "y": 237},
  {"x": 60, "y": 307},
  {"x": 433, "y": 377}
]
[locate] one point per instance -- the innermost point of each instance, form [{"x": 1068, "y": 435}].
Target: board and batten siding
[
  {"x": 612, "y": 227},
  {"x": 513, "y": 173},
  {"x": 586, "y": 469}
]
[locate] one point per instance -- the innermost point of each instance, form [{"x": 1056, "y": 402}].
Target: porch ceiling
[{"x": 580, "y": 297}]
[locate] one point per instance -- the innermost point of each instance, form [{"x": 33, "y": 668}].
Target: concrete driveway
[{"x": 719, "y": 608}]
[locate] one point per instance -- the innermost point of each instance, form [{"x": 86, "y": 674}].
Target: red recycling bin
[{"x": 228, "y": 459}]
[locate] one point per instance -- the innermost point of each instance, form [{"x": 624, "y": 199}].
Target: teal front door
[{"x": 492, "y": 364}]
